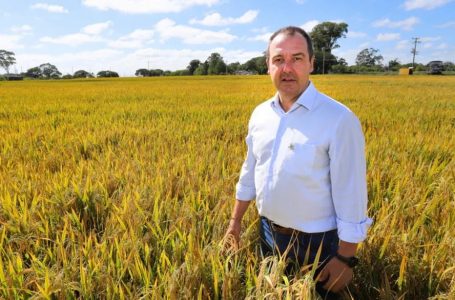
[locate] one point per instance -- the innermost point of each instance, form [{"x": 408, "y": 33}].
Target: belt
[
  {"x": 282, "y": 230},
  {"x": 289, "y": 231}
]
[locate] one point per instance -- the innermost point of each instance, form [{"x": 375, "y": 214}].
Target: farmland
[{"x": 123, "y": 188}]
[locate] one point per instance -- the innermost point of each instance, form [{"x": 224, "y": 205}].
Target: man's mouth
[{"x": 287, "y": 79}]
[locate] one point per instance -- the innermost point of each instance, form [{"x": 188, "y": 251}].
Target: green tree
[
  {"x": 341, "y": 66},
  {"x": 323, "y": 61},
  {"x": 256, "y": 65},
  {"x": 49, "y": 71},
  {"x": 156, "y": 72},
  {"x": 142, "y": 72},
  {"x": 394, "y": 64},
  {"x": 7, "y": 59},
  {"x": 107, "y": 74},
  {"x": 368, "y": 57},
  {"x": 216, "y": 65},
  {"x": 325, "y": 36},
  {"x": 82, "y": 74},
  {"x": 34, "y": 72},
  {"x": 449, "y": 66},
  {"x": 193, "y": 65},
  {"x": 202, "y": 69},
  {"x": 233, "y": 67}
]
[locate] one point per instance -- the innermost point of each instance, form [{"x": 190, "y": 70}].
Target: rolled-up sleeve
[
  {"x": 245, "y": 188},
  {"x": 348, "y": 179}
]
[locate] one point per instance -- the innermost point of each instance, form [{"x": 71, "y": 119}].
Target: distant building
[
  {"x": 243, "y": 72},
  {"x": 13, "y": 77},
  {"x": 435, "y": 67}
]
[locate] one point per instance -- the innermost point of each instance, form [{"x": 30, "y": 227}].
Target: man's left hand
[{"x": 336, "y": 274}]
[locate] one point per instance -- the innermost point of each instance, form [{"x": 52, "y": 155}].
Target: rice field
[{"x": 123, "y": 188}]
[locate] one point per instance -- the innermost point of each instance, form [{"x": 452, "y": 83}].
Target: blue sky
[{"x": 125, "y": 35}]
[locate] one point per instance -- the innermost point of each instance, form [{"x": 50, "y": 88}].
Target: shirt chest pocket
[{"x": 301, "y": 159}]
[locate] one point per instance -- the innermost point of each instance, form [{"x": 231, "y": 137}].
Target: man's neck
[{"x": 287, "y": 102}]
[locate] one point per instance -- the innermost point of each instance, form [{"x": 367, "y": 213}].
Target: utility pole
[{"x": 414, "y": 51}]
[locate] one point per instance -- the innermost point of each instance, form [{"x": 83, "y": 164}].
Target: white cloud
[
  {"x": 308, "y": 26},
  {"x": 260, "y": 30},
  {"x": 24, "y": 29},
  {"x": 167, "y": 29},
  {"x": 356, "y": 34},
  {"x": 92, "y": 61},
  {"x": 425, "y": 4},
  {"x": 264, "y": 37},
  {"x": 216, "y": 19},
  {"x": 89, "y": 34},
  {"x": 10, "y": 42},
  {"x": 134, "y": 40},
  {"x": 406, "y": 24},
  {"x": 428, "y": 42},
  {"x": 442, "y": 46},
  {"x": 429, "y": 39},
  {"x": 97, "y": 28},
  {"x": 403, "y": 44},
  {"x": 447, "y": 25},
  {"x": 50, "y": 8},
  {"x": 300, "y": 1},
  {"x": 74, "y": 39},
  {"x": 147, "y": 6},
  {"x": 384, "y": 37}
]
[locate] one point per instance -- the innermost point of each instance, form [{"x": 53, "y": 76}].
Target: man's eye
[
  {"x": 277, "y": 60},
  {"x": 298, "y": 58}
]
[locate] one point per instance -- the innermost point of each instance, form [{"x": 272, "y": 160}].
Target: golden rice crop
[{"x": 122, "y": 188}]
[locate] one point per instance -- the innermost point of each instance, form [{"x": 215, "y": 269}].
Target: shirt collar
[{"x": 306, "y": 99}]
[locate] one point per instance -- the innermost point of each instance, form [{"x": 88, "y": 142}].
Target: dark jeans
[{"x": 302, "y": 249}]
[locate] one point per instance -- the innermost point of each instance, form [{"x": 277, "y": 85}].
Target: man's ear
[{"x": 312, "y": 64}]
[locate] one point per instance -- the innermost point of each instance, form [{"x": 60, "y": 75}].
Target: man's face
[{"x": 289, "y": 65}]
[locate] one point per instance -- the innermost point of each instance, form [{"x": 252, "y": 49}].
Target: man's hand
[
  {"x": 336, "y": 274},
  {"x": 231, "y": 239}
]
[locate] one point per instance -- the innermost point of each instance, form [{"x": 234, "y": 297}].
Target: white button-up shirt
[{"x": 306, "y": 167}]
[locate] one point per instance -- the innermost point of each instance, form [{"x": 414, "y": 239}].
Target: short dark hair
[{"x": 291, "y": 31}]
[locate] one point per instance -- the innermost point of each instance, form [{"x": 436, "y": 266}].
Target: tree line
[{"x": 324, "y": 36}]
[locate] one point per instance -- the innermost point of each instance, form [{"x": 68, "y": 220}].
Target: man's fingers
[
  {"x": 337, "y": 282},
  {"x": 230, "y": 243},
  {"x": 323, "y": 276},
  {"x": 332, "y": 284}
]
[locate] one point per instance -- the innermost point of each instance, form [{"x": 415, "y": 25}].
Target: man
[{"x": 305, "y": 167}]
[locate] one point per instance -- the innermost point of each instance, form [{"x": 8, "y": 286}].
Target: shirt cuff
[
  {"x": 245, "y": 193},
  {"x": 353, "y": 232}
]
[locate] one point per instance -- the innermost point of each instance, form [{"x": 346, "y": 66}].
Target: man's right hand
[{"x": 231, "y": 239}]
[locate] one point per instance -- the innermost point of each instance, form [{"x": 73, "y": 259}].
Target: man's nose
[{"x": 287, "y": 66}]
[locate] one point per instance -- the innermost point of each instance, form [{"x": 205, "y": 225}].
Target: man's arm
[
  {"x": 245, "y": 191},
  {"x": 349, "y": 194},
  {"x": 235, "y": 223}
]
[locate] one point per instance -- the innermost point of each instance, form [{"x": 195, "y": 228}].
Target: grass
[{"x": 122, "y": 188}]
